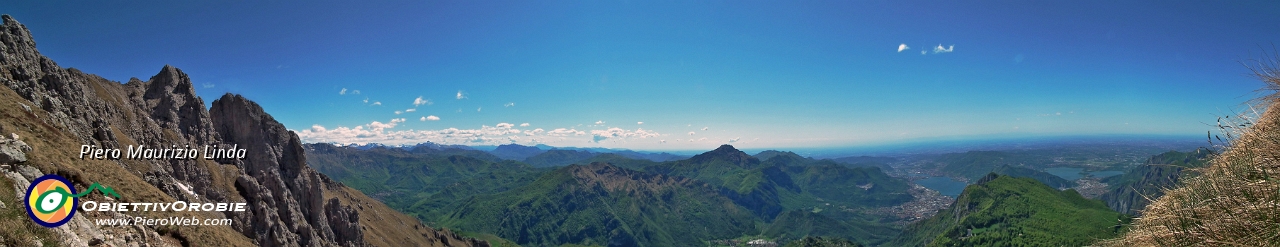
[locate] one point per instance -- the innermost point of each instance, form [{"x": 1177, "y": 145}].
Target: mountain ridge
[{"x": 289, "y": 203}]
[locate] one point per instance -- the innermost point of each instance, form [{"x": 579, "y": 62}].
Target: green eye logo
[{"x": 51, "y": 201}]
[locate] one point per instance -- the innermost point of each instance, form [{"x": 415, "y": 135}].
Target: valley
[{"x": 530, "y": 196}]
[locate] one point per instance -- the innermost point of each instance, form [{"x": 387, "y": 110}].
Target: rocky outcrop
[
  {"x": 13, "y": 151},
  {"x": 290, "y": 203}
]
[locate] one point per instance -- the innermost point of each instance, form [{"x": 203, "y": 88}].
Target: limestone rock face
[
  {"x": 13, "y": 151},
  {"x": 289, "y": 204},
  {"x": 277, "y": 169}
]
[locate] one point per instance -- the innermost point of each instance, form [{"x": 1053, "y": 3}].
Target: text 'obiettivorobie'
[{"x": 173, "y": 152}]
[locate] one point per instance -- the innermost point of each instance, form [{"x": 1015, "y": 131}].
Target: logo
[{"x": 51, "y": 200}]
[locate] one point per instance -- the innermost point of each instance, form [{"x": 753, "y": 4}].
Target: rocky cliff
[{"x": 56, "y": 110}]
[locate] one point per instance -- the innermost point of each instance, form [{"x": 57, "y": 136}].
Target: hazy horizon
[
  {"x": 686, "y": 75},
  {"x": 923, "y": 146}
]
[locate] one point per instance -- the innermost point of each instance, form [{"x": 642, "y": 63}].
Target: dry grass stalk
[{"x": 1236, "y": 199}]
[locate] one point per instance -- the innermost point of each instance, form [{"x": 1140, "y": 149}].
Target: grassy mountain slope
[
  {"x": 1235, "y": 200},
  {"x": 1015, "y": 212}
]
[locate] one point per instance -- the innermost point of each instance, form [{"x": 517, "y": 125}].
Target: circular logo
[{"x": 49, "y": 200}]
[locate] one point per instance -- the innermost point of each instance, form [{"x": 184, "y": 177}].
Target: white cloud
[
  {"x": 419, "y": 101},
  {"x": 501, "y": 133},
  {"x": 735, "y": 139},
  {"x": 411, "y": 110},
  {"x": 377, "y": 103},
  {"x": 478, "y": 108},
  {"x": 379, "y": 132},
  {"x": 509, "y": 104},
  {"x": 366, "y": 100},
  {"x": 600, "y": 135},
  {"x": 398, "y": 112},
  {"x": 692, "y": 133},
  {"x": 344, "y": 91},
  {"x": 207, "y": 85},
  {"x": 600, "y": 122},
  {"x": 924, "y": 52},
  {"x": 379, "y": 126},
  {"x": 355, "y": 91},
  {"x": 639, "y": 123},
  {"x": 903, "y": 47},
  {"x": 565, "y": 132},
  {"x": 460, "y": 95},
  {"x": 941, "y": 49},
  {"x": 704, "y": 128}
]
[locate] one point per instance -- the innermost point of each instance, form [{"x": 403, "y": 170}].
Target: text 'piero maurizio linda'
[{"x": 173, "y": 152}]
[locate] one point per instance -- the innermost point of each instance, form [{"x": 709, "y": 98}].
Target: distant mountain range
[
  {"x": 612, "y": 199},
  {"x": 530, "y": 196}
]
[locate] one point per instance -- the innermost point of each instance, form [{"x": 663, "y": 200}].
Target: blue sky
[{"x": 756, "y": 74}]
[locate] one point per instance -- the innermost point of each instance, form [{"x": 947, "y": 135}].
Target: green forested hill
[
  {"x": 1043, "y": 177},
  {"x": 868, "y": 186},
  {"x": 606, "y": 205},
  {"x": 552, "y": 158},
  {"x": 1131, "y": 192},
  {"x": 797, "y": 224},
  {"x": 418, "y": 182},
  {"x": 1006, "y": 211},
  {"x": 823, "y": 242},
  {"x": 770, "y": 187},
  {"x": 973, "y": 165}
]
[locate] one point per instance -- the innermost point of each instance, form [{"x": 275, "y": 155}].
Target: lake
[
  {"x": 944, "y": 185},
  {"x": 1073, "y": 174}
]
